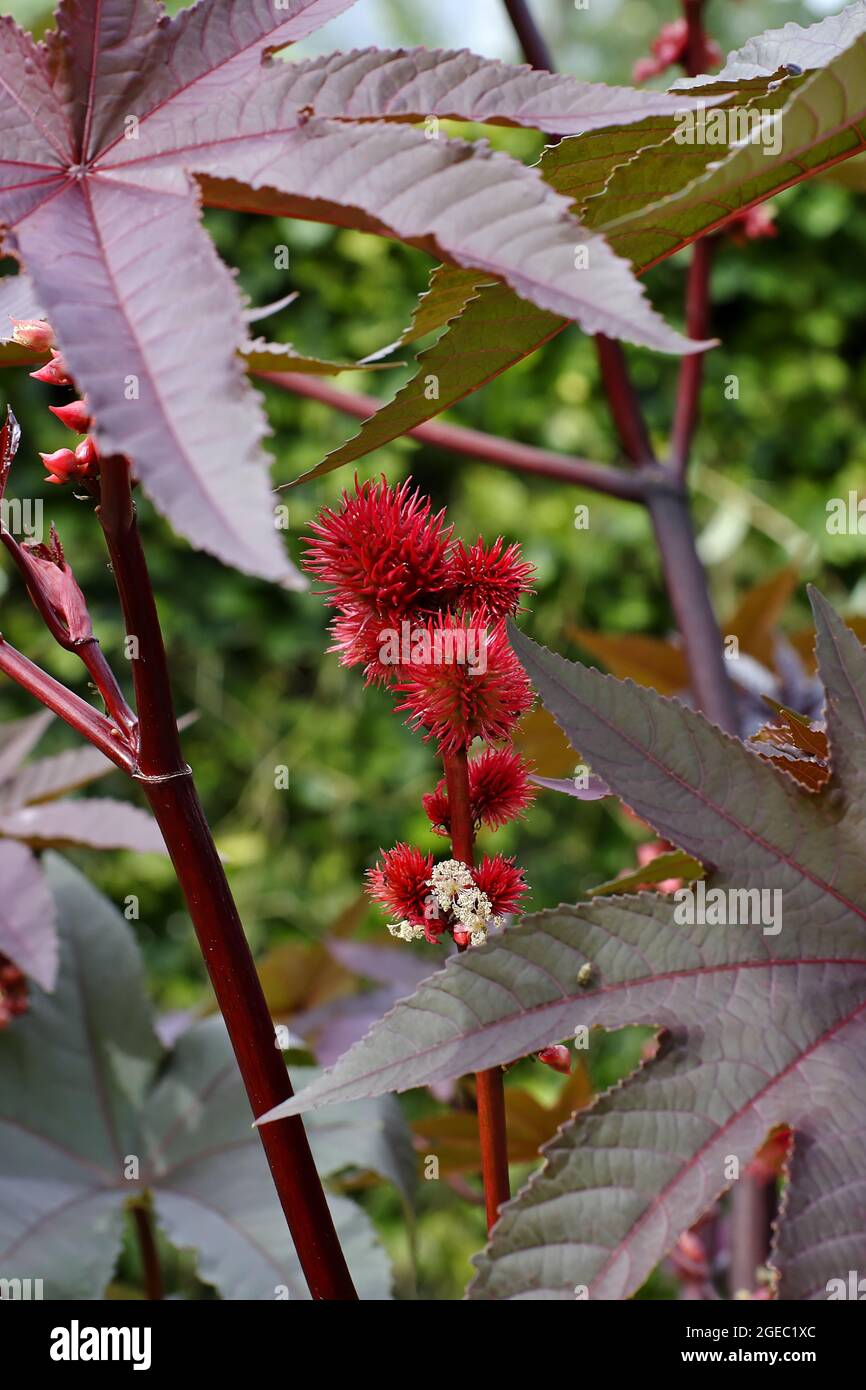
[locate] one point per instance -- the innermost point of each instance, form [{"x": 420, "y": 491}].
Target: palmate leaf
[
  {"x": 27, "y": 929},
  {"x": 649, "y": 195},
  {"x": 413, "y": 84},
  {"x": 822, "y": 122},
  {"x": 764, "y": 1027},
  {"x": 32, "y": 817},
  {"x": 127, "y": 119},
  {"x": 260, "y": 356},
  {"x": 488, "y": 328},
  {"x": 18, "y": 300},
  {"x": 85, "y": 1086},
  {"x": 97, "y": 822}
]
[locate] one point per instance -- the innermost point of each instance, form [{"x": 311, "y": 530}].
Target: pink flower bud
[
  {"x": 62, "y": 465},
  {"x": 74, "y": 416},
  {"x": 87, "y": 454},
  {"x": 54, "y": 373},
  {"x": 50, "y": 573},
  {"x": 557, "y": 1057},
  {"x": 33, "y": 333}
]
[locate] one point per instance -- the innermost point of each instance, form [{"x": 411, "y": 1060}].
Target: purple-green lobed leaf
[{"x": 757, "y": 974}]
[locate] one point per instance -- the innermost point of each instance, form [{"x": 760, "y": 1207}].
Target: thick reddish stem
[
  {"x": 535, "y": 49},
  {"x": 752, "y": 1205},
  {"x": 522, "y": 458},
  {"x": 692, "y": 366},
  {"x": 152, "y": 1271},
  {"x": 696, "y": 41},
  {"x": 624, "y": 405},
  {"x": 70, "y": 707},
  {"x": 686, "y": 583},
  {"x": 489, "y": 1086},
  {"x": 168, "y": 784},
  {"x": 753, "y": 1210}
]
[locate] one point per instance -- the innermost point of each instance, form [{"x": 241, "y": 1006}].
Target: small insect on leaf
[{"x": 585, "y": 975}]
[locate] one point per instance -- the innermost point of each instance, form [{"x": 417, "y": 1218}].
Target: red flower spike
[
  {"x": 54, "y": 373},
  {"x": 382, "y": 553},
  {"x": 501, "y": 881},
  {"x": 489, "y": 577},
  {"x": 53, "y": 577},
  {"x": 466, "y": 684},
  {"x": 557, "y": 1057},
  {"x": 400, "y": 883},
  {"x": 74, "y": 416},
  {"x": 499, "y": 791},
  {"x": 33, "y": 333}
]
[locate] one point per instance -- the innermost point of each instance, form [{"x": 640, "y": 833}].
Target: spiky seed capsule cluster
[{"x": 424, "y": 615}]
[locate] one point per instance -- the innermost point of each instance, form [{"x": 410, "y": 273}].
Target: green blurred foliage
[{"x": 252, "y": 662}]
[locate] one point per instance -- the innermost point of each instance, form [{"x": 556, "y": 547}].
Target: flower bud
[
  {"x": 74, "y": 416},
  {"x": 50, "y": 573},
  {"x": 62, "y": 465},
  {"x": 54, "y": 373},
  {"x": 87, "y": 454},
  {"x": 557, "y": 1057},
  {"x": 33, "y": 333}
]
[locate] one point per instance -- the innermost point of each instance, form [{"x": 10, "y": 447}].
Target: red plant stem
[
  {"x": 535, "y": 49},
  {"x": 522, "y": 458},
  {"x": 752, "y": 1204},
  {"x": 70, "y": 707},
  {"x": 692, "y": 367},
  {"x": 686, "y": 584},
  {"x": 490, "y": 1090},
  {"x": 624, "y": 405},
  {"x": 664, "y": 495},
  {"x": 94, "y": 659},
  {"x": 168, "y": 784},
  {"x": 753, "y": 1209},
  {"x": 696, "y": 47},
  {"x": 623, "y": 402},
  {"x": 153, "y": 1285}
]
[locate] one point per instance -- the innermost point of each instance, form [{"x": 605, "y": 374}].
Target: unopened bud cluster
[{"x": 63, "y": 465}]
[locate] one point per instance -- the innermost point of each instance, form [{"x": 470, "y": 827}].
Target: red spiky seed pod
[
  {"x": 400, "y": 882},
  {"x": 499, "y": 791},
  {"x": 466, "y": 684},
  {"x": 493, "y": 578},
  {"x": 383, "y": 552},
  {"x": 501, "y": 881}
]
